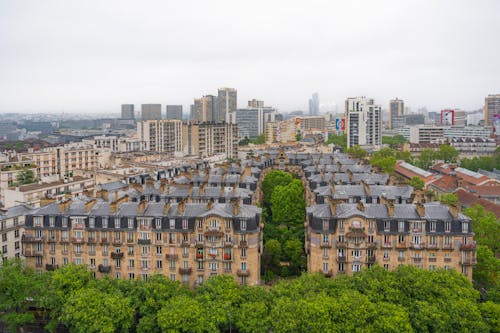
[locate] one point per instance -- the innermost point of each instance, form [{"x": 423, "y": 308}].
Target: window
[
  {"x": 200, "y": 224},
  {"x": 4, "y": 237},
  {"x": 243, "y": 252},
  {"x": 130, "y": 236},
  {"x": 52, "y": 221},
  {"x": 158, "y": 223},
  {"x": 401, "y": 238},
  {"x": 158, "y": 250},
  {"x": 131, "y": 263},
  {"x": 172, "y": 264},
  {"x": 341, "y": 225},
  {"x": 341, "y": 267},
  {"x": 356, "y": 267},
  {"x": 243, "y": 266},
  {"x": 105, "y": 222},
  {"x": 37, "y": 220},
  {"x": 184, "y": 224},
  {"x": 447, "y": 226},
  {"x": 172, "y": 277},
  {"x": 130, "y": 251},
  {"x": 228, "y": 225},
  {"x": 130, "y": 223},
  {"x": 243, "y": 224},
  {"x": 401, "y": 226},
  {"x": 117, "y": 223},
  {"x": 172, "y": 223},
  {"x": 158, "y": 236},
  {"x": 401, "y": 254},
  {"x": 131, "y": 276},
  {"x": 159, "y": 264},
  {"x": 386, "y": 254},
  {"x": 16, "y": 233},
  {"x": 432, "y": 226},
  {"x": 325, "y": 238},
  {"x": 447, "y": 240},
  {"x": 432, "y": 240},
  {"x": 465, "y": 227},
  {"x": 326, "y": 224},
  {"x": 325, "y": 267},
  {"x": 386, "y": 266},
  {"x": 387, "y": 226}
]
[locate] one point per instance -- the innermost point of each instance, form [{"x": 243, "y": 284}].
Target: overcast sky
[{"x": 92, "y": 56}]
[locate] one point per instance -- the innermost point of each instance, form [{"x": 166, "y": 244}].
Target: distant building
[
  {"x": 227, "y": 102},
  {"x": 151, "y": 112},
  {"x": 207, "y": 139},
  {"x": 414, "y": 119},
  {"x": 396, "y": 109},
  {"x": 128, "y": 111},
  {"x": 254, "y": 103},
  {"x": 491, "y": 108},
  {"x": 426, "y": 134},
  {"x": 250, "y": 122},
  {"x": 174, "y": 112},
  {"x": 314, "y": 105},
  {"x": 205, "y": 109},
  {"x": 364, "y": 122},
  {"x": 163, "y": 136}
]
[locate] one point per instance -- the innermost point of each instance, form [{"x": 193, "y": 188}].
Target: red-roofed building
[
  {"x": 409, "y": 171},
  {"x": 468, "y": 199},
  {"x": 444, "y": 184}
]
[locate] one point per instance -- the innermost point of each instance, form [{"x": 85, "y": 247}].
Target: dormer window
[
  {"x": 92, "y": 222},
  {"x": 465, "y": 227},
  {"x": 105, "y": 222},
  {"x": 37, "y": 220}
]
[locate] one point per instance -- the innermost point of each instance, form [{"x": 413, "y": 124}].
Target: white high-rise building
[
  {"x": 163, "y": 136},
  {"x": 364, "y": 122}
]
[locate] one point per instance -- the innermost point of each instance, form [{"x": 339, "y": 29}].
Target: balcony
[
  {"x": 228, "y": 244},
  {"x": 327, "y": 273},
  {"x": 49, "y": 267},
  {"x": 401, "y": 259},
  {"x": 116, "y": 255},
  {"x": 227, "y": 257},
  {"x": 417, "y": 260},
  {"x": 52, "y": 239},
  {"x": 33, "y": 253},
  {"x": 185, "y": 243},
  {"x": 402, "y": 246},
  {"x": 468, "y": 261},
  {"x": 432, "y": 246},
  {"x": 447, "y": 247},
  {"x": 64, "y": 240},
  {"x": 432, "y": 259},
  {"x": 130, "y": 240},
  {"x": 387, "y": 246},
  {"x": 371, "y": 245},
  {"x": 243, "y": 272},
  {"x": 144, "y": 241},
  {"x": 117, "y": 241},
  {"x": 91, "y": 240},
  {"x": 104, "y": 269},
  {"x": 32, "y": 239},
  {"x": 200, "y": 244},
  {"x": 371, "y": 259},
  {"x": 243, "y": 244},
  {"x": 468, "y": 247},
  {"x": 104, "y": 241},
  {"x": 325, "y": 245},
  {"x": 447, "y": 259},
  {"x": 415, "y": 246},
  {"x": 184, "y": 271},
  {"x": 199, "y": 256},
  {"x": 341, "y": 245},
  {"x": 77, "y": 240},
  {"x": 341, "y": 259},
  {"x": 171, "y": 256}
]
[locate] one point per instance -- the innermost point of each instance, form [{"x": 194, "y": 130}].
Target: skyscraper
[
  {"x": 227, "y": 102},
  {"x": 314, "y": 105},
  {"x": 151, "y": 111},
  {"x": 128, "y": 111},
  {"x": 205, "y": 109},
  {"x": 396, "y": 109},
  {"x": 491, "y": 108},
  {"x": 364, "y": 122},
  {"x": 174, "y": 112}
]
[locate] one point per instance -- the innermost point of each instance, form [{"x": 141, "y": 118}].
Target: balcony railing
[
  {"x": 401, "y": 245},
  {"x": 371, "y": 245},
  {"x": 50, "y": 267},
  {"x": 243, "y": 272},
  {"x": 32, "y": 239},
  {"x": 468, "y": 261},
  {"x": 183, "y": 270},
  {"x": 325, "y": 245},
  {"x": 387, "y": 246},
  {"x": 341, "y": 245},
  {"x": 371, "y": 259},
  {"x": 116, "y": 255},
  {"x": 417, "y": 260},
  {"x": 243, "y": 244},
  {"x": 171, "y": 256},
  {"x": 468, "y": 247},
  {"x": 420, "y": 246},
  {"x": 341, "y": 258},
  {"x": 144, "y": 241},
  {"x": 104, "y": 269},
  {"x": 33, "y": 253}
]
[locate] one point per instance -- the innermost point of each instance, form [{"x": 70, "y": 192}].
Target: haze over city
[{"x": 92, "y": 56}]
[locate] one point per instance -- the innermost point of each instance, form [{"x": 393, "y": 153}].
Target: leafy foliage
[
  {"x": 357, "y": 151},
  {"x": 483, "y": 162},
  {"x": 416, "y": 183},
  {"x": 386, "y": 158},
  {"x": 449, "y": 198},
  {"x": 25, "y": 176},
  {"x": 407, "y": 299},
  {"x": 338, "y": 140},
  {"x": 394, "y": 141}
]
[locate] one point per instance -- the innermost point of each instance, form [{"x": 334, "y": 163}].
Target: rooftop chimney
[
  {"x": 420, "y": 209},
  {"x": 166, "y": 208},
  {"x": 181, "y": 206},
  {"x": 89, "y": 204},
  {"x": 361, "y": 207},
  {"x": 454, "y": 209},
  {"x": 115, "y": 205},
  {"x": 64, "y": 205},
  {"x": 142, "y": 206}
]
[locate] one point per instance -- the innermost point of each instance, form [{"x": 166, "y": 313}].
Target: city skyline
[{"x": 93, "y": 57}]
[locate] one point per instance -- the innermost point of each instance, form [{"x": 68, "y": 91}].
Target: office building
[
  {"x": 187, "y": 242},
  {"x": 205, "y": 109},
  {"x": 314, "y": 105},
  {"x": 207, "y": 139},
  {"x": 128, "y": 111},
  {"x": 163, "y": 136},
  {"x": 227, "y": 102},
  {"x": 174, "y": 112},
  {"x": 491, "y": 108},
  {"x": 250, "y": 122},
  {"x": 364, "y": 122},
  {"x": 151, "y": 112},
  {"x": 396, "y": 109},
  {"x": 426, "y": 134}
]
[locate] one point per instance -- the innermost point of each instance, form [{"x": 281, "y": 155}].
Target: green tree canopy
[
  {"x": 416, "y": 183},
  {"x": 25, "y": 176},
  {"x": 357, "y": 151}
]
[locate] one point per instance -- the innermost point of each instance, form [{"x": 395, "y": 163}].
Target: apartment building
[
  {"x": 163, "y": 136},
  {"x": 187, "y": 242},
  {"x": 364, "y": 122},
  {"x": 210, "y": 138},
  {"x": 63, "y": 161},
  {"x": 491, "y": 108},
  {"x": 396, "y": 110},
  {"x": 11, "y": 230},
  {"x": 426, "y": 134},
  {"x": 345, "y": 238}
]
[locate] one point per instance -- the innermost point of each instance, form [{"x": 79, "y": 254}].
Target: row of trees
[
  {"x": 283, "y": 214},
  {"x": 405, "y": 300},
  {"x": 484, "y": 162},
  {"x": 261, "y": 139}
]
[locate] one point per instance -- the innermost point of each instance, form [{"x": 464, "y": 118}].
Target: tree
[
  {"x": 486, "y": 227},
  {"x": 337, "y": 140},
  {"x": 487, "y": 271},
  {"x": 449, "y": 198},
  {"x": 25, "y": 176},
  {"x": 447, "y": 153},
  {"x": 394, "y": 141},
  {"x": 490, "y": 312},
  {"x": 416, "y": 183},
  {"x": 185, "y": 314},
  {"x": 92, "y": 310},
  {"x": 20, "y": 288},
  {"x": 357, "y": 151},
  {"x": 426, "y": 158}
]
